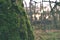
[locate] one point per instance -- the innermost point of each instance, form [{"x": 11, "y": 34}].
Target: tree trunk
[{"x": 14, "y": 24}]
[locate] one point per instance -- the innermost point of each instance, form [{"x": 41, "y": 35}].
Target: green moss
[{"x": 14, "y": 24}]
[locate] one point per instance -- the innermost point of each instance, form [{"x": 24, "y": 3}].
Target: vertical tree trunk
[{"x": 14, "y": 24}]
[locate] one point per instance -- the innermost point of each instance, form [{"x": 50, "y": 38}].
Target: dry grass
[{"x": 44, "y": 35}]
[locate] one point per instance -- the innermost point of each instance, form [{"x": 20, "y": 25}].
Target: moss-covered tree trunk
[{"x": 14, "y": 24}]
